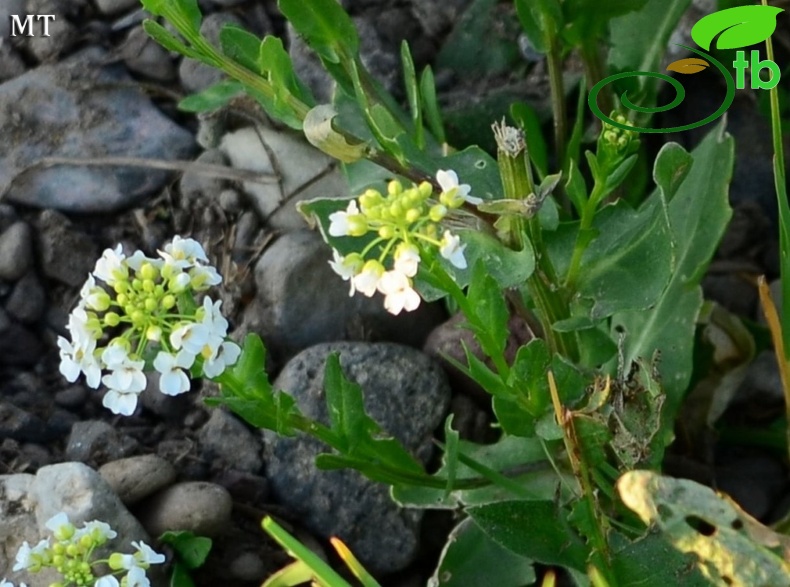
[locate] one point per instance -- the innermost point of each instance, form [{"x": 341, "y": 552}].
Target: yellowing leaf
[
  {"x": 733, "y": 548},
  {"x": 688, "y": 65}
]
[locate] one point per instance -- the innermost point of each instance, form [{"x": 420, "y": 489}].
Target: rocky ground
[{"x": 94, "y": 153}]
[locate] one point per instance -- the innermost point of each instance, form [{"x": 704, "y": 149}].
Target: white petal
[{"x": 120, "y": 403}]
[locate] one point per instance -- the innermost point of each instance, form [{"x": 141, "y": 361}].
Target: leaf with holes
[{"x": 733, "y": 548}]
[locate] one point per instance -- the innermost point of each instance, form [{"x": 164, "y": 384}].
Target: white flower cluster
[
  {"x": 404, "y": 220},
  {"x": 71, "y": 552},
  {"x": 146, "y": 305}
]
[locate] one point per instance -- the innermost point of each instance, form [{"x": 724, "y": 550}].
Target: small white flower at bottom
[
  {"x": 108, "y": 581},
  {"x": 338, "y": 221},
  {"x": 4, "y": 583},
  {"x": 346, "y": 267},
  {"x": 120, "y": 402},
  {"x": 398, "y": 292},
  {"x": 146, "y": 555},
  {"x": 453, "y": 250},
  {"x": 407, "y": 259},
  {"x": 448, "y": 180},
  {"x": 367, "y": 280},
  {"x": 173, "y": 380},
  {"x": 25, "y": 554}
]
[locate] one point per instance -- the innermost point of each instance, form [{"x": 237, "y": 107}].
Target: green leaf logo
[{"x": 739, "y": 27}]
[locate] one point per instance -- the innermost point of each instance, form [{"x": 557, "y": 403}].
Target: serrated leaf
[
  {"x": 472, "y": 558},
  {"x": 325, "y": 26},
  {"x": 733, "y": 548},
  {"x": 532, "y": 529},
  {"x": 213, "y": 97},
  {"x": 739, "y": 27}
]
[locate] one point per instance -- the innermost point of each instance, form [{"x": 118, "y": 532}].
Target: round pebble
[{"x": 136, "y": 478}]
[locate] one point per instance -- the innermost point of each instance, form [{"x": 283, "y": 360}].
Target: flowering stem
[{"x": 583, "y": 239}]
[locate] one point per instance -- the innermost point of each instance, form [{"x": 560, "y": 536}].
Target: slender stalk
[
  {"x": 557, "y": 97},
  {"x": 582, "y": 240}
]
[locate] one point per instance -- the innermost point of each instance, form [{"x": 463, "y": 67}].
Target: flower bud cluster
[
  {"x": 142, "y": 313},
  {"x": 70, "y": 550},
  {"x": 403, "y": 221},
  {"x": 617, "y": 138}
]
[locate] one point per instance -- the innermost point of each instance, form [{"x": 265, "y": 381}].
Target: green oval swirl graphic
[{"x": 680, "y": 92}]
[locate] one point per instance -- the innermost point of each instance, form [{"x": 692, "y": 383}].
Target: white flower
[
  {"x": 25, "y": 554},
  {"x": 4, "y": 583},
  {"x": 136, "y": 578},
  {"x": 138, "y": 258},
  {"x": 448, "y": 180},
  {"x": 57, "y": 521},
  {"x": 120, "y": 402},
  {"x": 407, "y": 259},
  {"x": 227, "y": 354},
  {"x": 339, "y": 220},
  {"x": 96, "y": 528},
  {"x": 213, "y": 319},
  {"x": 346, "y": 267},
  {"x": 367, "y": 280},
  {"x": 111, "y": 267},
  {"x": 183, "y": 252},
  {"x": 203, "y": 277},
  {"x": 107, "y": 581},
  {"x": 75, "y": 358},
  {"x": 453, "y": 250},
  {"x": 191, "y": 337},
  {"x": 146, "y": 555},
  {"x": 173, "y": 380},
  {"x": 398, "y": 292}
]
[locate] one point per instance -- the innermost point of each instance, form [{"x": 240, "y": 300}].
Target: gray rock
[
  {"x": 66, "y": 254},
  {"x": 196, "y": 76},
  {"x": 196, "y": 506},
  {"x": 80, "y": 109},
  {"x": 226, "y": 437},
  {"x": 18, "y": 345},
  {"x": 301, "y": 302},
  {"x": 98, "y": 442},
  {"x": 146, "y": 57},
  {"x": 7, "y": 8},
  {"x": 196, "y": 186},
  {"x": 407, "y": 394},
  {"x": 18, "y": 424},
  {"x": 302, "y": 172},
  {"x": 16, "y": 251},
  {"x": 27, "y": 301},
  {"x": 11, "y": 64},
  {"x": 435, "y": 17},
  {"x": 135, "y": 478},
  {"x": 62, "y": 34},
  {"x": 248, "y": 566},
  {"x": 762, "y": 384},
  {"x": 115, "y": 6},
  {"x": 230, "y": 201},
  {"x": 28, "y": 502},
  {"x": 73, "y": 396}
]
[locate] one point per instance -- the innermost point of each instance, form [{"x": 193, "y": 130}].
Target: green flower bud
[
  {"x": 357, "y": 225},
  {"x": 425, "y": 189},
  {"x": 159, "y": 290},
  {"x": 394, "y": 187},
  {"x": 387, "y": 232},
  {"x": 154, "y": 333},
  {"x": 122, "y": 299},
  {"x": 148, "y": 271},
  {"x": 138, "y": 318},
  {"x": 111, "y": 319},
  {"x": 58, "y": 561},
  {"x": 396, "y": 210},
  {"x": 137, "y": 284},
  {"x": 150, "y": 304},
  {"x": 437, "y": 212},
  {"x": 168, "y": 301},
  {"x": 73, "y": 550},
  {"x": 87, "y": 541},
  {"x": 413, "y": 214},
  {"x": 369, "y": 200},
  {"x": 115, "y": 561},
  {"x": 148, "y": 285},
  {"x": 58, "y": 549},
  {"x": 120, "y": 287}
]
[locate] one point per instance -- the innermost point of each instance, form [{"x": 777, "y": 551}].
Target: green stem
[
  {"x": 582, "y": 239},
  {"x": 595, "y": 73},
  {"x": 557, "y": 96}
]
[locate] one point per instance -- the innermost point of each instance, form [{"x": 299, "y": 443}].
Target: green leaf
[
  {"x": 540, "y": 19},
  {"x": 167, "y": 39},
  {"x": 358, "y": 435},
  {"x": 412, "y": 92},
  {"x": 472, "y": 558},
  {"x": 476, "y": 168},
  {"x": 632, "y": 247},
  {"x": 180, "y": 576},
  {"x": 191, "y": 550},
  {"x": 325, "y": 26},
  {"x": 490, "y": 321},
  {"x": 462, "y": 50},
  {"x": 155, "y": 7},
  {"x": 698, "y": 213},
  {"x": 522, "y": 459},
  {"x": 733, "y": 548},
  {"x": 587, "y": 20},
  {"x": 633, "y": 48},
  {"x": 276, "y": 62},
  {"x": 652, "y": 560},
  {"x": 672, "y": 166},
  {"x": 241, "y": 46},
  {"x": 533, "y": 529},
  {"x": 739, "y": 27},
  {"x": 430, "y": 104},
  {"x": 213, "y": 97}
]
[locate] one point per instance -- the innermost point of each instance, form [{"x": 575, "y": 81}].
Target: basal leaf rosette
[
  {"x": 379, "y": 239},
  {"x": 137, "y": 314}
]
